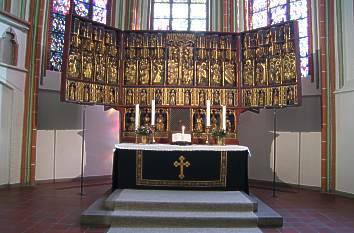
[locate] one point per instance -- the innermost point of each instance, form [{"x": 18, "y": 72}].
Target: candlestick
[
  {"x": 183, "y": 128},
  {"x": 152, "y": 112},
  {"x": 207, "y": 129},
  {"x": 137, "y": 116},
  {"x": 208, "y": 113},
  {"x": 224, "y": 117}
]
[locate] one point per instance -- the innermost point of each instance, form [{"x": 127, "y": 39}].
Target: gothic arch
[{"x": 9, "y": 47}]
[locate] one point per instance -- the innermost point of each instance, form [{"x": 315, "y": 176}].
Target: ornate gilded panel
[{"x": 181, "y": 69}]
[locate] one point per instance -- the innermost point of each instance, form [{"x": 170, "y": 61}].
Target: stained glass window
[
  {"x": 185, "y": 15},
  {"x": 268, "y": 12},
  {"x": 96, "y": 10}
]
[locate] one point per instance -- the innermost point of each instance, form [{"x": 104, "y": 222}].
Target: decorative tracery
[
  {"x": 97, "y": 10},
  {"x": 267, "y": 12}
]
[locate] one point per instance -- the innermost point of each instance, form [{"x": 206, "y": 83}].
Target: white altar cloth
[{"x": 168, "y": 147}]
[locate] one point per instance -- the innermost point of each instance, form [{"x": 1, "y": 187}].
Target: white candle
[
  {"x": 152, "y": 112},
  {"x": 137, "y": 118},
  {"x": 208, "y": 113},
  {"x": 224, "y": 117},
  {"x": 183, "y": 128}
]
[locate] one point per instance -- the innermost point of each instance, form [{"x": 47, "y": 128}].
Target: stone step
[
  {"x": 125, "y": 218},
  {"x": 129, "y": 199},
  {"x": 114, "y": 229}
]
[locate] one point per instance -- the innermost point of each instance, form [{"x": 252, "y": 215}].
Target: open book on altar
[{"x": 182, "y": 138}]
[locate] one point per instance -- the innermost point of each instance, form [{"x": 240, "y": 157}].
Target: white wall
[
  {"x": 344, "y": 107},
  {"x": 298, "y": 143},
  {"x": 12, "y": 79},
  {"x": 59, "y": 150}
]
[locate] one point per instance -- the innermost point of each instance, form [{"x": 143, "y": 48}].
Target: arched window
[
  {"x": 267, "y": 12},
  {"x": 97, "y": 10},
  {"x": 185, "y": 15}
]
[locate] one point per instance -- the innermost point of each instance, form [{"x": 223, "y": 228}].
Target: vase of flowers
[
  {"x": 143, "y": 133},
  {"x": 219, "y": 134}
]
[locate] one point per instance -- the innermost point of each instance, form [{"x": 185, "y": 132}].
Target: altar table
[{"x": 191, "y": 167}]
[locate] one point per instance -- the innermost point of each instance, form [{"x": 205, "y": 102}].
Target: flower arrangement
[
  {"x": 143, "y": 131},
  {"x": 221, "y": 133}
]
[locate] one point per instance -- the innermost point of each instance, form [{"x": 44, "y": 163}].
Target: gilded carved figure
[
  {"x": 143, "y": 97},
  {"x": 72, "y": 91},
  {"x": 172, "y": 72},
  {"x": 160, "y": 125},
  {"x": 275, "y": 97},
  {"x": 112, "y": 95},
  {"x": 112, "y": 71},
  {"x": 87, "y": 93},
  {"x": 216, "y": 97},
  {"x": 130, "y": 72},
  {"x": 214, "y": 120},
  {"x": 158, "y": 96},
  {"x": 261, "y": 98},
  {"x": 247, "y": 98},
  {"x": 229, "y": 74},
  {"x": 261, "y": 77},
  {"x": 187, "y": 97},
  {"x": 187, "y": 76},
  {"x": 230, "y": 98},
  {"x": 172, "y": 97},
  {"x": 74, "y": 66},
  {"x": 289, "y": 68},
  {"x": 229, "y": 124},
  {"x": 144, "y": 72},
  {"x": 201, "y": 97},
  {"x": 129, "y": 97},
  {"x": 75, "y": 41},
  {"x": 100, "y": 94},
  {"x": 290, "y": 96},
  {"x": 87, "y": 66},
  {"x": 198, "y": 123},
  {"x": 100, "y": 68},
  {"x": 202, "y": 73},
  {"x": 157, "y": 72},
  {"x": 274, "y": 71},
  {"x": 146, "y": 119},
  {"x": 248, "y": 73},
  {"x": 216, "y": 74}
]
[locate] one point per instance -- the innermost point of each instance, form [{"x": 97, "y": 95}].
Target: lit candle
[
  {"x": 224, "y": 117},
  {"x": 208, "y": 113},
  {"x": 137, "y": 114},
  {"x": 183, "y": 128},
  {"x": 152, "y": 112}
]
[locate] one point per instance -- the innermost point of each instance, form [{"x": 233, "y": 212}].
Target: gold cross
[{"x": 181, "y": 164}]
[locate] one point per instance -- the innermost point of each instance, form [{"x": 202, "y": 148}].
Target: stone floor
[{"x": 54, "y": 208}]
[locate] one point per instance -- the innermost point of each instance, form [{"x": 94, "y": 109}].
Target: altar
[{"x": 192, "y": 167}]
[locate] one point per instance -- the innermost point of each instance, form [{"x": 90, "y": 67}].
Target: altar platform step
[
  {"x": 161, "y": 200},
  {"x": 182, "y": 230},
  {"x": 183, "y": 219},
  {"x": 162, "y": 209}
]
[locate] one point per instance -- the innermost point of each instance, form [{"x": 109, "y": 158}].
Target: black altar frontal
[{"x": 193, "y": 167}]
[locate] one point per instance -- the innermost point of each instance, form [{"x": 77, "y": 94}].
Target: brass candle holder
[
  {"x": 207, "y": 129},
  {"x": 153, "y": 129}
]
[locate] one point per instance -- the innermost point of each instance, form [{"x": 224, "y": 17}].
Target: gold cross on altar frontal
[{"x": 181, "y": 164}]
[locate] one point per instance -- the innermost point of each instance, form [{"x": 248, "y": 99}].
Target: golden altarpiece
[{"x": 180, "y": 71}]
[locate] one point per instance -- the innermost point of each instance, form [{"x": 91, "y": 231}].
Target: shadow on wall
[
  {"x": 256, "y": 132},
  {"x": 101, "y": 134}
]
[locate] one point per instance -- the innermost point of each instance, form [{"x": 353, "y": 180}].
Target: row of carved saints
[
  {"x": 266, "y": 97},
  {"x": 85, "y": 92}
]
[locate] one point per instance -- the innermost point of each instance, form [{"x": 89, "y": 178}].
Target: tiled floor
[{"x": 49, "y": 208}]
